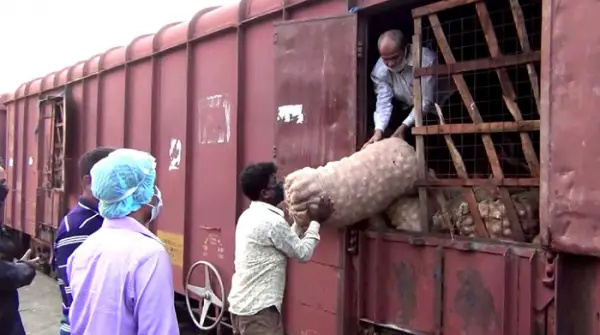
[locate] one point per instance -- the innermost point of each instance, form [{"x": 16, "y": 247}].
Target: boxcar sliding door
[{"x": 315, "y": 97}]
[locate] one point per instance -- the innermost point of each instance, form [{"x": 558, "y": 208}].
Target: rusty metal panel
[
  {"x": 77, "y": 139},
  {"x": 11, "y": 117},
  {"x": 259, "y": 100},
  {"x": 577, "y": 292},
  {"x": 570, "y": 93},
  {"x": 140, "y": 97},
  {"x": 213, "y": 154},
  {"x": 315, "y": 101},
  {"x": 168, "y": 133},
  {"x": 111, "y": 127},
  {"x": 18, "y": 167},
  {"x": 89, "y": 112},
  {"x": 30, "y": 171},
  {"x": 434, "y": 286},
  {"x": 315, "y": 91}
]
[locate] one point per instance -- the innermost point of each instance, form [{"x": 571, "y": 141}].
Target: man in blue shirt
[{"x": 82, "y": 221}]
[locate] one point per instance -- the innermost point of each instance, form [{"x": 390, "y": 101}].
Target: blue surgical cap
[{"x": 123, "y": 182}]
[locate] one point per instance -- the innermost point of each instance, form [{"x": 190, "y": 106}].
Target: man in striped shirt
[{"x": 82, "y": 221}]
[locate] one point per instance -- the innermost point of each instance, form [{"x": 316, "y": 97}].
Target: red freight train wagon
[{"x": 289, "y": 80}]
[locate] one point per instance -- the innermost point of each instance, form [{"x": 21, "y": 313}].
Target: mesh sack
[
  {"x": 404, "y": 214},
  {"x": 359, "y": 186},
  {"x": 377, "y": 222}
]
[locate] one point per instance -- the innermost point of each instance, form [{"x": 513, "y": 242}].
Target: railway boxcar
[{"x": 289, "y": 80}]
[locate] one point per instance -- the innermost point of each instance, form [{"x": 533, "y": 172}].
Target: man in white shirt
[
  {"x": 392, "y": 77},
  {"x": 263, "y": 242}
]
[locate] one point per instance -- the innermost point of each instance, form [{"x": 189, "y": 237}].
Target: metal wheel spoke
[
  {"x": 206, "y": 277},
  {"x": 215, "y": 300},
  {"x": 197, "y": 290},
  {"x": 206, "y": 296},
  {"x": 204, "y": 313}
]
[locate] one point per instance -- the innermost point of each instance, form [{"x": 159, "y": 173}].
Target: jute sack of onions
[
  {"x": 378, "y": 222},
  {"x": 404, "y": 214},
  {"x": 359, "y": 186}
]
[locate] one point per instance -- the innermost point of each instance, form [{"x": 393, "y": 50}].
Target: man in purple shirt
[{"x": 121, "y": 278}]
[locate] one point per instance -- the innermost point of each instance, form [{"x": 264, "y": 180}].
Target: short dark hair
[
  {"x": 255, "y": 178},
  {"x": 87, "y": 160}
]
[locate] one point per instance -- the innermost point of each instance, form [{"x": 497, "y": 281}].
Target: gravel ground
[{"x": 40, "y": 306}]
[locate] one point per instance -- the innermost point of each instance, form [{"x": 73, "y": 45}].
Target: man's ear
[
  {"x": 263, "y": 194},
  {"x": 86, "y": 180}
]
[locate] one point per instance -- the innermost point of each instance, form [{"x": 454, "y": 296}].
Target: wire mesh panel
[{"x": 477, "y": 120}]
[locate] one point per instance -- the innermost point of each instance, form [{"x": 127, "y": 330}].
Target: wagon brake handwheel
[{"x": 206, "y": 294}]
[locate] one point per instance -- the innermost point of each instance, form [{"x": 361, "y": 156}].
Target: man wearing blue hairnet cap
[{"x": 121, "y": 277}]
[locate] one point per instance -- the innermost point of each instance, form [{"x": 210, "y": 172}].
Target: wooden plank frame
[
  {"x": 479, "y": 64},
  {"x": 497, "y": 62},
  {"x": 419, "y": 140},
  {"x": 508, "y": 91},
  {"x": 478, "y": 128}
]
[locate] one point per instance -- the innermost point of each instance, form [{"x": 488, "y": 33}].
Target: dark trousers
[
  {"x": 10, "y": 319},
  {"x": 266, "y": 322}
]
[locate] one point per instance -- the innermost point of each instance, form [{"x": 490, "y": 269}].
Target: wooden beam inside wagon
[
  {"x": 479, "y": 64},
  {"x": 439, "y": 6},
  {"x": 459, "y": 182},
  {"x": 478, "y": 128}
]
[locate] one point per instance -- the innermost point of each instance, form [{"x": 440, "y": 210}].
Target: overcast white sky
[{"x": 41, "y": 36}]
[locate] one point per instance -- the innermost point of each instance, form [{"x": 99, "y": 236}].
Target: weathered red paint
[
  {"x": 440, "y": 286},
  {"x": 210, "y": 89},
  {"x": 571, "y": 183}
]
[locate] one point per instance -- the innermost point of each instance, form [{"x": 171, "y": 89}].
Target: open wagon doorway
[
  {"x": 479, "y": 192},
  {"x": 486, "y": 58}
]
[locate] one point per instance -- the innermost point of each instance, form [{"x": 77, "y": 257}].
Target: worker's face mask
[
  {"x": 156, "y": 208},
  {"x": 279, "y": 192},
  {"x": 275, "y": 194},
  {"x": 399, "y": 66}
]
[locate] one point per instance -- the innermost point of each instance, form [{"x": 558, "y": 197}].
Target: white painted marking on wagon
[
  {"x": 213, "y": 246},
  {"x": 290, "y": 113},
  {"x": 175, "y": 154},
  {"x": 30, "y": 160},
  {"x": 10, "y": 162},
  {"x": 214, "y": 115}
]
